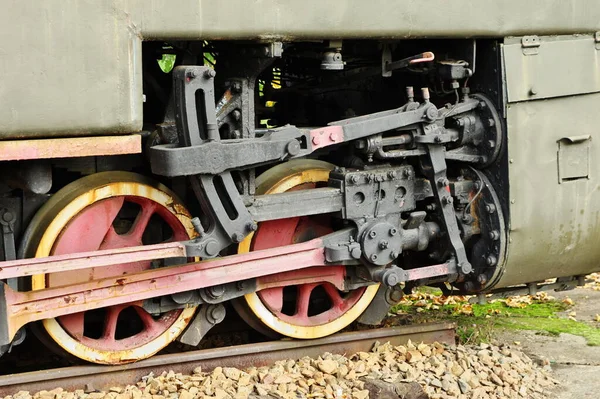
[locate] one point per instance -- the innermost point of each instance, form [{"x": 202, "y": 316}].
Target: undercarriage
[{"x": 306, "y": 184}]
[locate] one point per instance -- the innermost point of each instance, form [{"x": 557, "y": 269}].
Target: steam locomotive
[{"x": 301, "y": 163}]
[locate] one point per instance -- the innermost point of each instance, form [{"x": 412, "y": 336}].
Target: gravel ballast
[{"x": 483, "y": 371}]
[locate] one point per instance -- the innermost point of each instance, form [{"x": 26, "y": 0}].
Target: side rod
[{"x": 20, "y": 308}]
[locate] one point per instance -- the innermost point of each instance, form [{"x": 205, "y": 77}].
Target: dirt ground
[{"x": 575, "y": 364}]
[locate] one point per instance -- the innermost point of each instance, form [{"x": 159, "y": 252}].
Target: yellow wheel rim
[
  {"x": 280, "y": 179},
  {"x": 92, "y": 189}
]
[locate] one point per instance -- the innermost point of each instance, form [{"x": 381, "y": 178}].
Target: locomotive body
[{"x": 331, "y": 155}]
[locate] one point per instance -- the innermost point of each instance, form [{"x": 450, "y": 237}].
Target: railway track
[{"x": 240, "y": 356}]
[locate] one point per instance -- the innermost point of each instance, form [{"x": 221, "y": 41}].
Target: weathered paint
[
  {"x": 554, "y": 226},
  {"x": 79, "y": 72},
  {"x": 94, "y": 202},
  {"x": 267, "y": 306},
  {"x": 17, "y": 150}
]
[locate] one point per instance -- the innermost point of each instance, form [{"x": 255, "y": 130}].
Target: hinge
[
  {"x": 597, "y": 40},
  {"x": 530, "y": 44}
]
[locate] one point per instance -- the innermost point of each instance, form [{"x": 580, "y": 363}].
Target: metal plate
[
  {"x": 554, "y": 226},
  {"x": 79, "y": 71},
  {"x": 559, "y": 66}
]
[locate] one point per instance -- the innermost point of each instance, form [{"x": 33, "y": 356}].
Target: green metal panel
[
  {"x": 72, "y": 67},
  {"x": 555, "y": 222},
  {"x": 551, "y": 66}
]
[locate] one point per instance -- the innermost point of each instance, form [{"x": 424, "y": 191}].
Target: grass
[{"x": 477, "y": 323}]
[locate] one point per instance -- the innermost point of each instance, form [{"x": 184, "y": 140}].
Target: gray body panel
[
  {"x": 554, "y": 153},
  {"x": 74, "y": 67}
]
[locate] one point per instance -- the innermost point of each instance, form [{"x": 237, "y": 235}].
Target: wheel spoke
[
  {"x": 147, "y": 319},
  {"x": 273, "y": 297},
  {"x": 334, "y": 295},
  {"x": 73, "y": 323},
  {"x": 303, "y": 299},
  {"x": 141, "y": 221},
  {"x": 110, "y": 322}
]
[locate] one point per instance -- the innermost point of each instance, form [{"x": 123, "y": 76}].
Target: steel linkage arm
[
  {"x": 208, "y": 154},
  {"x": 20, "y": 308}
]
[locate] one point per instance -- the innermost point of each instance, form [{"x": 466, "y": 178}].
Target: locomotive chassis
[{"x": 526, "y": 138}]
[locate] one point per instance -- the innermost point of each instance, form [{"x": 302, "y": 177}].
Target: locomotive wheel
[
  {"x": 305, "y": 311},
  {"x": 105, "y": 211}
]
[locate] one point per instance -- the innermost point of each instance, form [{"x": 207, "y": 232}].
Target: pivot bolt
[
  {"x": 252, "y": 226},
  {"x": 395, "y": 295},
  {"x": 210, "y": 73},
  {"x": 8, "y": 217},
  {"x": 443, "y": 182},
  {"x": 215, "y": 314},
  {"x": 383, "y": 244},
  {"x": 465, "y": 267},
  {"x": 373, "y": 234},
  {"x": 490, "y": 208},
  {"x": 212, "y": 248},
  {"x": 293, "y": 147},
  {"x": 482, "y": 279},
  {"x": 390, "y": 278},
  {"x": 447, "y": 200},
  {"x": 467, "y": 219},
  {"x": 236, "y": 87},
  {"x": 494, "y": 235},
  {"x": 216, "y": 291}
]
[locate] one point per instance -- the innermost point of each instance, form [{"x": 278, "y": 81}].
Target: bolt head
[
  {"x": 355, "y": 179},
  {"x": 482, "y": 279},
  {"x": 210, "y": 73},
  {"x": 373, "y": 234},
  {"x": 315, "y": 140},
  {"x": 383, "y": 244},
  {"x": 494, "y": 235},
  {"x": 252, "y": 226},
  {"x": 237, "y": 237},
  {"x": 393, "y": 231},
  {"x": 293, "y": 147},
  {"x": 393, "y": 255},
  {"x": 392, "y": 174},
  {"x": 374, "y": 257},
  {"x": 491, "y": 260}
]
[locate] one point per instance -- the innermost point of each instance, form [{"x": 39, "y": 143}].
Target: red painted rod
[
  {"x": 25, "y": 307},
  {"x": 84, "y": 260}
]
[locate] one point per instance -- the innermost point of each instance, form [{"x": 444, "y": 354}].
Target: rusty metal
[
  {"x": 85, "y": 260},
  {"x": 259, "y": 354},
  {"x": 326, "y": 136},
  {"x": 16, "y": 150},
  {"x": 25, "y": 307}
]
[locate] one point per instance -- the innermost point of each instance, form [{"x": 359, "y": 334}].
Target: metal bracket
[
  {"x": 436, "y": 173},
  {"x": 530, "y": 44},
  {"x": 207, "y": 318}
]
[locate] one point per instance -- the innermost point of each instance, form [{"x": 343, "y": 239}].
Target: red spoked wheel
[
  {"x": 107, "y": 211},
  {"x": 308, "y": 303}
]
